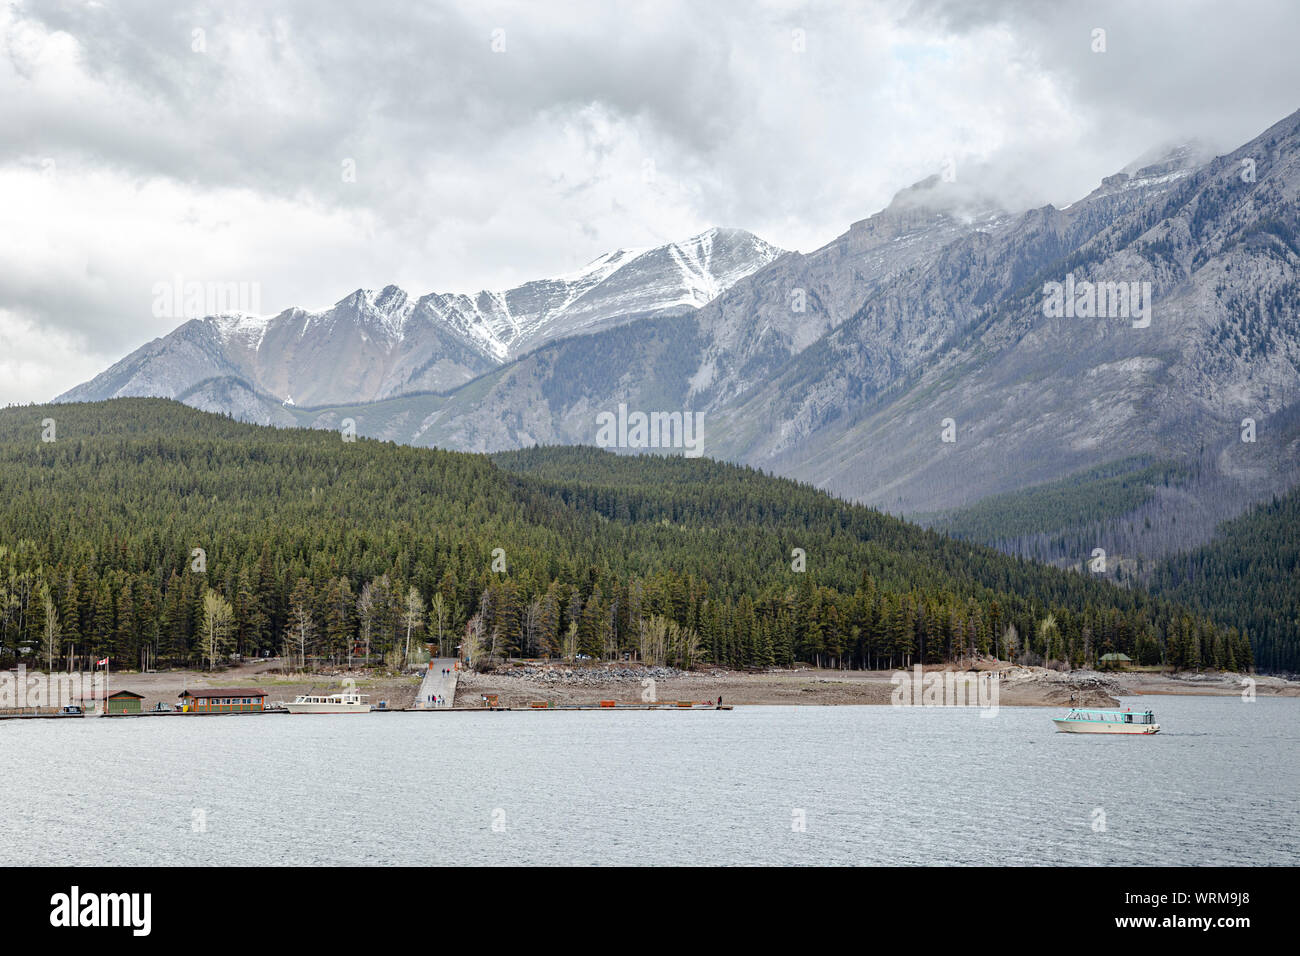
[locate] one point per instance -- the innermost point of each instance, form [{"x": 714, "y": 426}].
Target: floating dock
[
  {"x": 537, "y": 705},
  {"x": 146, "y": 713},
  {"x": 613, "y": 705}
]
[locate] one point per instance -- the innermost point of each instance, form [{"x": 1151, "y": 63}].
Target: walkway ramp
[{"x": 437, "y": 685}]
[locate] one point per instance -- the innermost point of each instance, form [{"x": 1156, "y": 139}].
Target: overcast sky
[{"x": 492, "y": 143}]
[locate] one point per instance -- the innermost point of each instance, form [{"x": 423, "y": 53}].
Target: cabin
[
  {"x": 118, "y": 702},
  {"x": 222, "y": 700},
  {"x": 1115, "y": 662},
  {"x": 123, "y": 702}
]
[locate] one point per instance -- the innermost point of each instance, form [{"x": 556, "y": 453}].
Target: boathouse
[
  {"x": 118, "y": 702},
  {"x": 223, "y": 700}
]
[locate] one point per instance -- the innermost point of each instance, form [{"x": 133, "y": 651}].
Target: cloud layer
[{"x": 315, "y": 148}]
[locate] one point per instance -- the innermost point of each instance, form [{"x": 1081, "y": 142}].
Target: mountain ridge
[
  {"x": 840, "y": 366},
  {"x": 387, "y": 342}
]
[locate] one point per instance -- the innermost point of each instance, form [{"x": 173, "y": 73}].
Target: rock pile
[{"x": 593, "y": 676}]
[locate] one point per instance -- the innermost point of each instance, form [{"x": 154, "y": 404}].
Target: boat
[
  {"x": 1081, "y": 721},
  {"x": 345, "y": 703}
]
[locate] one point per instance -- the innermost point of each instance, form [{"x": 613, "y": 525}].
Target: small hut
[{"x": 1114, "y": 662}]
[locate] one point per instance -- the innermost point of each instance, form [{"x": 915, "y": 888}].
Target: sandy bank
[{"x": 564, "y": 683}]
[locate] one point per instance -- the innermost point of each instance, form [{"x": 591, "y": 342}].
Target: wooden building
[
  {"x": 223, "y": 700},
  {"x": 118, "y": 702},
  {"x": 1114, "y": 662}
]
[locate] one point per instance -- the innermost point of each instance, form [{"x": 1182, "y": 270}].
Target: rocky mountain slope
[
  {"x": 1034, "y": 397},
  {"x": 914, "y": 363},
  {"x": 375, "y": 344},
  {"x": 843, "y": 367},
  {"x": 705, "y": 360}
]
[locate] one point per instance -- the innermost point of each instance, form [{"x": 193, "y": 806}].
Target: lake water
[{"x": 870, "y": 785}]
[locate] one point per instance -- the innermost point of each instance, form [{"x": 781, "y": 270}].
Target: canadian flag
[{"x": 103, "y": 663}]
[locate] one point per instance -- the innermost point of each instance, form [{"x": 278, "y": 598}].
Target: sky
[{"x": 311, "y": 148}]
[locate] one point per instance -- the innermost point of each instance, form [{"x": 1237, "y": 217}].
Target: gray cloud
[{"x": 600, "y": 125}]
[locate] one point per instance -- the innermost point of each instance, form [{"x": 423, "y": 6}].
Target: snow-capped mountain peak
[
  {"x": 373, "y": 344},
  {"x": 240, "y": 325}
]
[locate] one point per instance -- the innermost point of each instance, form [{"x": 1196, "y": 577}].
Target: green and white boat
[{"x": 1080, "y": 721}]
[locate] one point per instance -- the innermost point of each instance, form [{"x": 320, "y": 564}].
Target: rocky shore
[
  {"x": 520, "y": 684},
  {"x": 1018, "y": 686}
]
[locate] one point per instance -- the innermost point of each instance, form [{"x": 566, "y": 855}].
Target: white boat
[
  {"x": 1080, "y": 721},
  {"x": 346, "y": 703}
]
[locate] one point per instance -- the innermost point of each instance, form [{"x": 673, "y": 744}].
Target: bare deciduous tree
[
  {"x": 217, "y": 615},
  {"x": 652, "y": 637},
  {"x": 302, "y": 620},
  {"x": 438, "y": 613},
  {"x": 413, "y": 616},
  {"x": 570, "y": 649},
  {"x": 473, "y": 639},
  {"x": 52, "y": 630},
  {"x": 366, "y": 615}
]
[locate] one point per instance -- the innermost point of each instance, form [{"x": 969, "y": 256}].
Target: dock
[
  {"x": 145, "y": 713},
  {"x": 439, "y": 685},
  {"x": 609, "y": 705}
]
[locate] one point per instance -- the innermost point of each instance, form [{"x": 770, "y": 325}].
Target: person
[{"x": 719, "y": 700}]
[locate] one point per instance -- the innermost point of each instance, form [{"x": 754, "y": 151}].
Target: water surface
[{"x": 870, "y": 785}]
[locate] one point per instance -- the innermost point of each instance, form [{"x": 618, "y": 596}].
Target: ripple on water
[{"x": 880, "y": 785}]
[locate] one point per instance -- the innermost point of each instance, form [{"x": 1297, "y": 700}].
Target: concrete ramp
[{"x": 437, "y": 685}]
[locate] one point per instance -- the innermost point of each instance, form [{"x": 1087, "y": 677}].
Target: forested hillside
[
  {"x": 320, "y": 548},
  {"x": 1250, "y": 576},
  {"x": 1063, "y": 519}
]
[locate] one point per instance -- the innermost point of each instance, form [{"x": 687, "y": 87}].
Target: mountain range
[
  {"x": 375, "y": 344},
  {"x": 913, "y": 363}
]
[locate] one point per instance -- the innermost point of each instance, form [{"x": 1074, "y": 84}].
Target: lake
[{"x": 757, "y": 785}]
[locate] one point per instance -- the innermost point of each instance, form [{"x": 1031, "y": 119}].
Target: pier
[
  {"x": 437, "y": 685},
  {"x": 614, "y": 705}
]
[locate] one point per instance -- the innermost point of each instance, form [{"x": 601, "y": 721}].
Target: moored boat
[
  {"x": 346, "y": 703},
  {"x": 1081, "y": 721}
]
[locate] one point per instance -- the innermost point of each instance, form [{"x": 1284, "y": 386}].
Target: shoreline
[
  {"x": 520, "y": 685},
  {"x": 1017, "y": 686}
]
